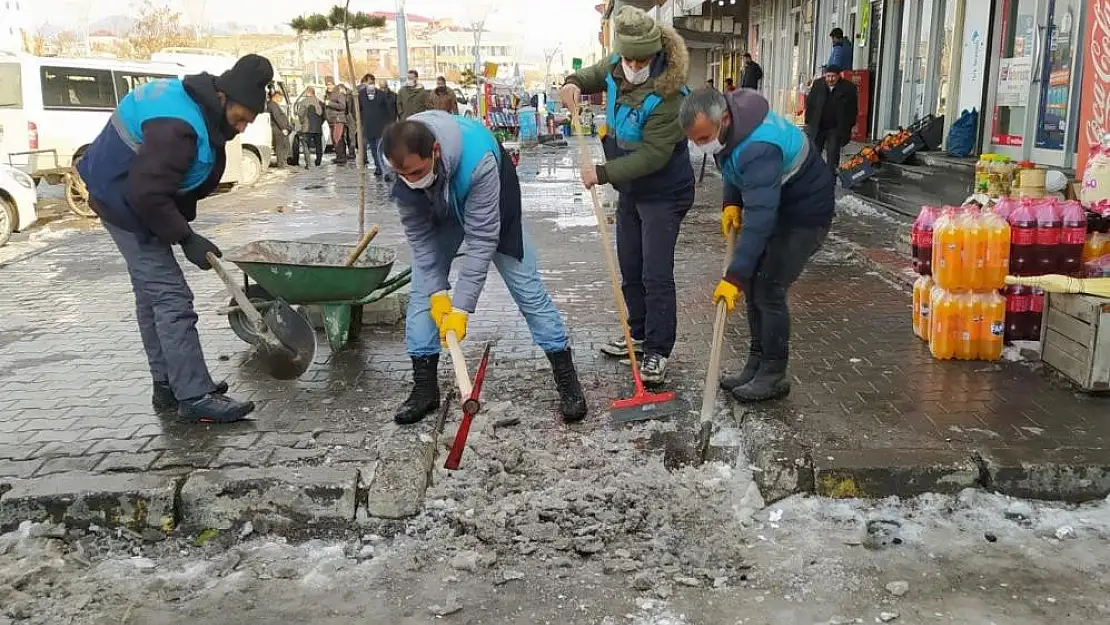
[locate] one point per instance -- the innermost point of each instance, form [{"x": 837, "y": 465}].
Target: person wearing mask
[
  {"x": 161, "y": 152},
  {"x": 752, "y": 74},
  {"x": 309, "y": 113},
  {"x": 280, "y": 128},
  {"x": 832, "y": 106},
  {"x": 337, "y": 121},
  {"x": 647, "y": 160},
  {"x": 378, "y": 111},
  {"x": 413, "y": 98},
  {"x": 769, "y": 168},
  {"x": 459, "y": 196},
  {"x": 841, "y": 52},
  {"x": 443, "y": 98}
]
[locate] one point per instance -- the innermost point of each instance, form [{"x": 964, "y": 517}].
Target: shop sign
[
  {"x": 1094, "y": 116},
  {"x": 1015, "y": 76}
]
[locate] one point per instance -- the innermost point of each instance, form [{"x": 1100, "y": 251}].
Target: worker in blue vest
[
  {"x": 458, "y": 193},
  {"x": 776, "y": 178},
  {"x": 160, "y": 153},
  {"x": 647, "y": 161}
]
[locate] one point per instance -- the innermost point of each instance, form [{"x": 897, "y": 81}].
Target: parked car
[{"x": 17, "y": 202}]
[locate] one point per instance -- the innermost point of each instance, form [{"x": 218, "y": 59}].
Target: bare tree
[
  {"x": 157, "y": 27},
  {"x": 340, "y": 18}
]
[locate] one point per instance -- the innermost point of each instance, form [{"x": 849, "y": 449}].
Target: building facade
[{"x": 14, "y": 24}]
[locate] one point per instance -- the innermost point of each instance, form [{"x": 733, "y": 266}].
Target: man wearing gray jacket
[{"x": 457, "y": 189}]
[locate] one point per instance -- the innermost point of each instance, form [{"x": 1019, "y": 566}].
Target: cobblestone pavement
[{"x": 74, "y": 389}]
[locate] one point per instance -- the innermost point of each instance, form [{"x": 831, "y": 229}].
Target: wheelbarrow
[{"x": 304, "y": 273}]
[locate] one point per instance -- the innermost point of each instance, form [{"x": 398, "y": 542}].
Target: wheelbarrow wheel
[{"x": 238, "y": 321}]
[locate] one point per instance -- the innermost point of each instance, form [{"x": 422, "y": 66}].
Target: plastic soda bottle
[
  {"x": 1073, "y": 238},
  {"x": 1093, "y": 247},
  {"x": 993, "y": 326},
  {"x": 1047, "y": 238},
  {"x": 921, "y": 240},
  {"x": 973, "y": 249},
  {"x": 970, "y": 312},
  {"x": 922, "y": 293},
  {"x": 1004, "y": 207},
  {"x": 946, "y": 250},
  {"x": 1017, "y": 312},
  {"x": 1036, "y": 311},
  {"x": 945, "y": 324},
  {"x": 996, "y": 232},
  {"x": 1023, "y": 231}
]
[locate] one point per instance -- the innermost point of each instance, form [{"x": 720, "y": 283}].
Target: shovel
[{"x": 286, "y": 341}]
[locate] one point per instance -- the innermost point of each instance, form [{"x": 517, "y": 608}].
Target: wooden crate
[{"x": 1075, "y": 339}]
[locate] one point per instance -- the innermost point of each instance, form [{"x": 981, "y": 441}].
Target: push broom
[
  {"x": 642, "y": 405},
  {"x": 1054, "y": 283}
]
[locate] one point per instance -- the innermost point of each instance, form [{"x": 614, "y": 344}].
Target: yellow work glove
[
  {"x": 730, "y": 220},
  {"x": 441, "y": 305},
  {"x": 728, "y": 293},
  {"x": 454, "y": 321}
]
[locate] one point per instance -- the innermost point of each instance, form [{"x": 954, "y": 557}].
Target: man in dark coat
[
  {"x": 752, "y": 74},
  {"x": 280, "y": 128},
  {"x": 831, "y": 109},
  {"x": 309, "y": 113},
  {"x": 379, "y": 109},
  {"x": 160, "y": 153},
  {"x": 336, "y": 109}
]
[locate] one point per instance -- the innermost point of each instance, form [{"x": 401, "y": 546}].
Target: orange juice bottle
[
  {"x": 1093, "y": 247},
  {"x": 973, "y": 249},
  {"x": 993, "y": 326},
  {"x": 969, "y": 309},
  {"x": 922, "y": 293},
  {"x": 996, "y": 231},
  {"x": 946, "y": 250},
  {"x": 945, "y": 322}
]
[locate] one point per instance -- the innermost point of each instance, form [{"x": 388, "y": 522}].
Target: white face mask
[
  {"x": 424, "y": 182},
  {"x": 713, "y": 148},
  {"x": 412, "y": 82},
  {"x": 636, "y": 77}
]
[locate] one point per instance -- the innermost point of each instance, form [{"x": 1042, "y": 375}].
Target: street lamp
[{"x": 402, "y": 42}]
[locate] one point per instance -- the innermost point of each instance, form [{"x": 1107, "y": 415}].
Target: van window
[
  {"x": 11, "y": 86},
  {"x": 126, "y": 81},
  {"x": 77, "y": 88}
]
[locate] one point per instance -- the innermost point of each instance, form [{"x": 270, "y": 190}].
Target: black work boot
[
  {"x": 572, "y": 402},
  {"x": 770, "y": 382},
  {"x": 163, "y": 400},
  {"x": 424, "y": 397},
  {"x": 214, "y": 408},
  {"x": 735, "y": 380}
]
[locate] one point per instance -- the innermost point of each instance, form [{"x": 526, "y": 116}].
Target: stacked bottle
[{"x": 958, "y": 309}]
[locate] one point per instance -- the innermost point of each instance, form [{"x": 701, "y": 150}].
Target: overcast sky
[{"x": 546, "y": 23}]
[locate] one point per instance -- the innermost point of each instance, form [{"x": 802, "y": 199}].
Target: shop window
[{"x": 11, "y": 86}]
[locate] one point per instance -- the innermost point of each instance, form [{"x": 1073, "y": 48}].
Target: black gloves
[{"x": 196, "y": 249}]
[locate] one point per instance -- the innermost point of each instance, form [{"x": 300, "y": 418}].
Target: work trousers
[
  {"x": 647, "y": 230},
  {"x": 785, "y": 257},
  {"x": 828, "y": 141},
  {"x": 372, "y": 147},
  {"x": 339, "y": 141},
  {"x": 522, "y": 277},
  {"x": 308, "y": 141},
  {"x": 164, "y": 312}
]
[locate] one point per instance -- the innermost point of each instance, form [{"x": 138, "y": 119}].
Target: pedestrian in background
[
  {"x": 647, "y": 160},
  {"x": 771, "y": 170},
  {"x": 337, "y": 120},
  {"x": 350, "y": 128},
  {"x": 379, "y": 109},
  {"x": 841, "y": 52},
  {"x": 280, "y": 128},
  {"x": 443, "y": 98},
  {"x": 831, "y": 109},
  {"x": 752, "y": 74},
  {"x": 729, "y": 85},
  {"x": 309, "y": 113},
  {"x": 413, "y": 98}
]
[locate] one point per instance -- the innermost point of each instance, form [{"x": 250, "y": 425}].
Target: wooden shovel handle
[
  {"x": 241, "y": 298},
  {"x": 362, "y": 244},
  {"x": 458, "y": 362}
]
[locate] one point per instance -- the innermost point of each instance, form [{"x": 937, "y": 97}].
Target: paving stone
[
  {"x": 125, "y": 462},
  {"x": 232, "y": 457},
  {"x": 19, "y": 468},
  {"x": 58, "y": 450},
  {"x": 133, "y": 445},
  {"x": 17, "y": 452},
  {"x": 396, "y": 486},
  {"x": 172, "y": 459},
  {"x": 69, "y": 464},
  {"x": 135, "y": 500},
  {"x": 303, "y": 497}
]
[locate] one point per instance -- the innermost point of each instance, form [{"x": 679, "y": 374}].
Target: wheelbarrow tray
[{"x": 309, "y": 273}]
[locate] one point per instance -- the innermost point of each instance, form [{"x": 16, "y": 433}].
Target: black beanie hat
[{"x": 246, "y": 82}]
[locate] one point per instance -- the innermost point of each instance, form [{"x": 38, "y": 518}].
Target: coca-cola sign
[{"x": 1094, "y": 116}]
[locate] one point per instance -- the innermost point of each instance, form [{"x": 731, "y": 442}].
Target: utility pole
[{"x": 402, "y": 42}]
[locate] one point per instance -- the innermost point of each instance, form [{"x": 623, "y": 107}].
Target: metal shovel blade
[{"x": 289, "y": 348}]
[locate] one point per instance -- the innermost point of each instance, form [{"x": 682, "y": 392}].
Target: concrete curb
[{"x": 137, "y": 501}]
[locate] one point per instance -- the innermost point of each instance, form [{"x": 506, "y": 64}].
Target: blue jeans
[{"x": 522, "y": 277}]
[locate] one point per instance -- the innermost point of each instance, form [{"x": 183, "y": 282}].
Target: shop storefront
[
  {"x": 781, "y": 38},
  {"x": 1034, "y": 98}
]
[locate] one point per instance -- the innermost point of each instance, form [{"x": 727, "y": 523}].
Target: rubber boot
[
  {"x": 770, "y": 382},
  {"x": 163, "y": 400},
  {"x": 735, "y": 380},
  {"x": 424, "y": 398},
  {"x": 572, "y": 402},
  {"x": 214, "y": 408}
]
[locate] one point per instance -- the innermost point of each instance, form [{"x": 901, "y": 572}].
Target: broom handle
[
  {"x": 458, "y": 362},
  {"x": 713, "y": 375},
  {"x": 362, "y": 243},
  {"x": 237, "y": 293},
  {"x": 610, "y": 258}
]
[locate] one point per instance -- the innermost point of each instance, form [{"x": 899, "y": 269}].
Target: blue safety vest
[
  {"x": 477, "y": 142},
  {"x": 776, "y": 130},
  {"x": 166, "y": 98},
  {"x": 625, "y": 123}
]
